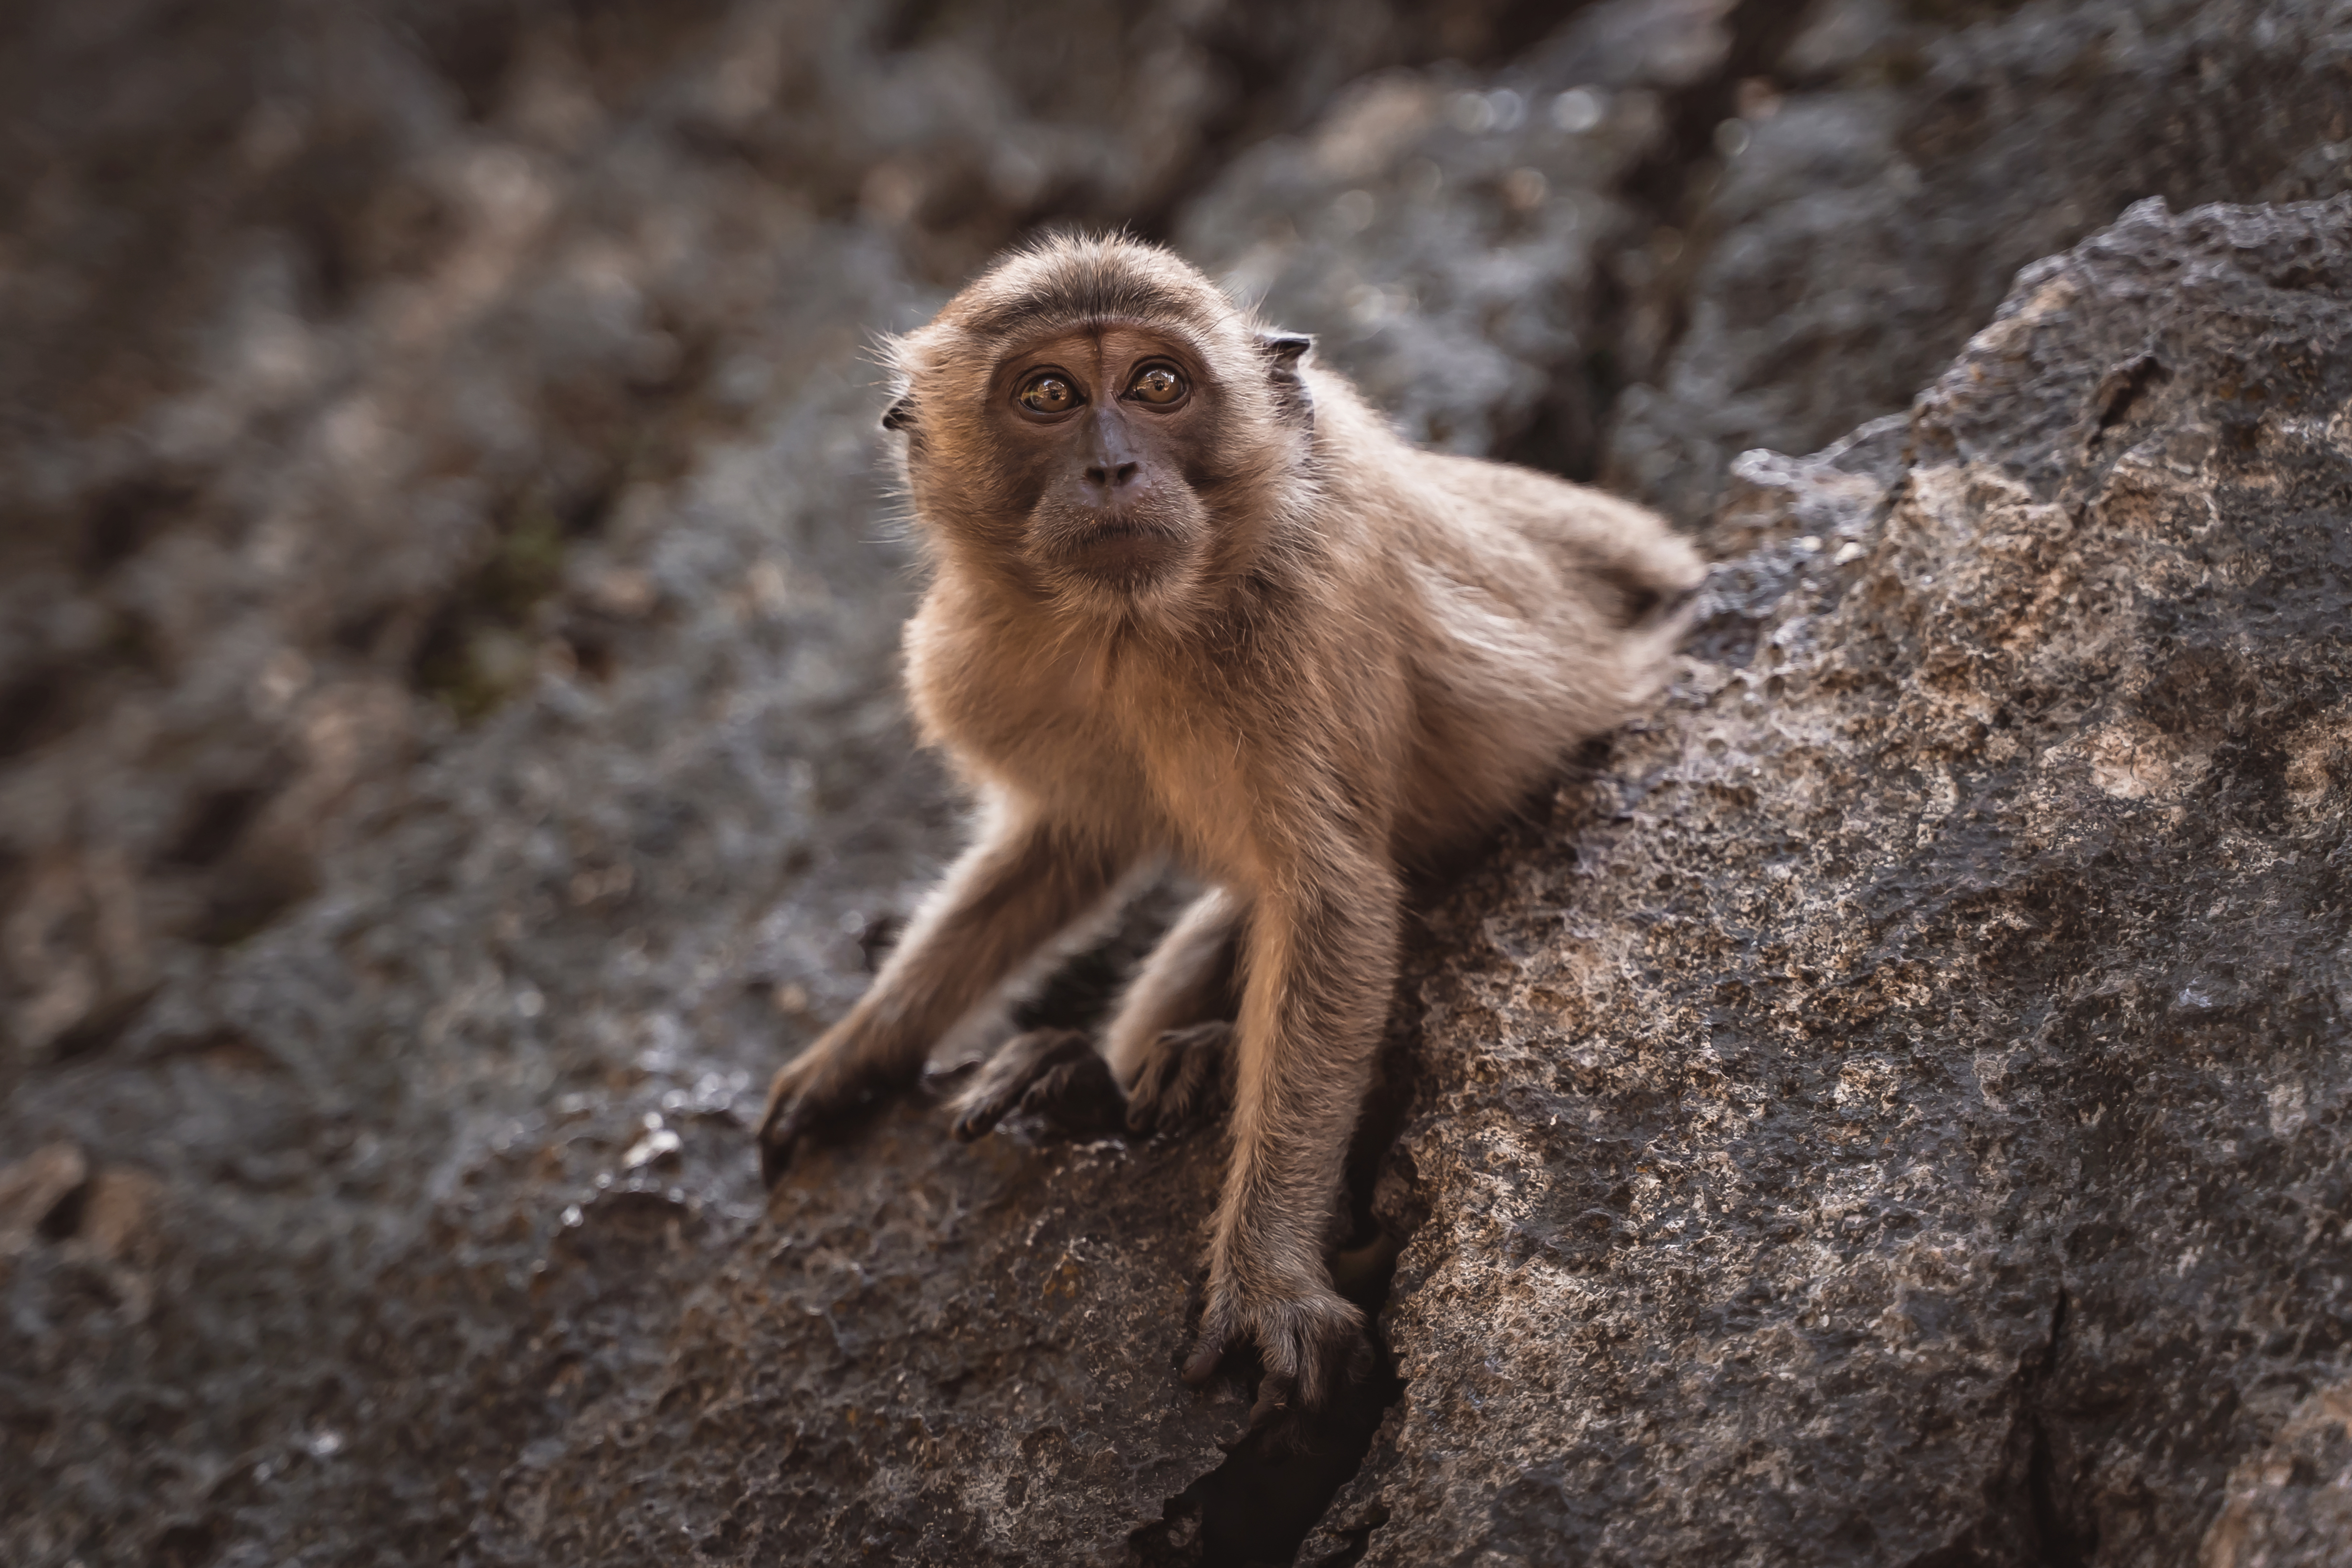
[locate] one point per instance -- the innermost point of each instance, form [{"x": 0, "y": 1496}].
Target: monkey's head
[{"x": 1095, "y": 420}]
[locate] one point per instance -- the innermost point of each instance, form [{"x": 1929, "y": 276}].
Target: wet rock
[
  {"x": 1894, "y": 1112},
  {"x": 1669, "y": 233}
]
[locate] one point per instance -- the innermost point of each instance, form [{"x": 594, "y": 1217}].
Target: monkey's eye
[
  {"x": 1048, "y": 391},
  {"x": 1157, "y": 383}
]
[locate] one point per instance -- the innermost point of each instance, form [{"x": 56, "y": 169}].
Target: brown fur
[{"x": 1294, "y": 655}]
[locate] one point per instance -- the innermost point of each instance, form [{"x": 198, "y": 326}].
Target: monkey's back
[{"x": 1543, "y": 613}]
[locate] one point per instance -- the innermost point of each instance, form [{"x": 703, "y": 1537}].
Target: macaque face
[{"x": 1100, "y": 431}]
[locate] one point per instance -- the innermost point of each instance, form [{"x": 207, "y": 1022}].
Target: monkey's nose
[{"x": 1112, "y": 476}]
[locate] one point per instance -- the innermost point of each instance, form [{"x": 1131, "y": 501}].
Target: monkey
[{"x": 1192, "y": 601}]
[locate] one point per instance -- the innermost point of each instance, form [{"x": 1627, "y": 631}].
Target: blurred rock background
[{"x": 449, "y": 749}]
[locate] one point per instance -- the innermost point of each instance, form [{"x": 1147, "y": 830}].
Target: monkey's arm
[
  {"x": 1320, "y": 961},
  {"x": 1013, "y": 891}
]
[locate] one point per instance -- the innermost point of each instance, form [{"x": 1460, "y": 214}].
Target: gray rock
[
  {"x": 1895, "y": 1112},
  {"x": 1443, "y": 232},
  {"x": 928, "y": 1351},
  {"x": 1867, "y": 208}
]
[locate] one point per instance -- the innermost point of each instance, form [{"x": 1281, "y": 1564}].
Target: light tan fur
[{"x": 1329, "y": 660}]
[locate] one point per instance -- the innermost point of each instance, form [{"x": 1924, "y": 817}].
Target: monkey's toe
[
  {"x": 1275, "y": 1393},
  {"x": 789, "y": 1113},
  {"x": 1182, "y": 1080},
  {"x": 1039, "y": 1071},
  {"x": 816, "y": 1097},
  {"x": 1313, "y": 1347},
  {"x": 1077, "y": 1097}
]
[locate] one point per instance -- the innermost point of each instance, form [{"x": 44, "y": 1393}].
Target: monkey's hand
[
  {"x": 1312, "y": 1342},
  {"x": 1183, "y": 1078},
  {"x": 816, "y": 1087},
  {"x": 1055, "y": 1072}
]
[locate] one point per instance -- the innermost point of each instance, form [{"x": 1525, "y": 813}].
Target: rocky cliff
[
  {"x": 1887, "y": 1108},
  {"x": 1893, "y": 1111}
]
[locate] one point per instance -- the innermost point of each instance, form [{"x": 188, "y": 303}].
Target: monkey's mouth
[
  {"x": 1111, "y": 528},
  {"x": 1124, "y": 552},
  {"x": 1108, "y": 544}
]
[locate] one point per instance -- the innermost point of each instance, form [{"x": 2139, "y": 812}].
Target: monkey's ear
[
  {"x": 899, "y": 415},
  {"x": 1284, "y": 350},
  {"x": 1285, "y": 347}
]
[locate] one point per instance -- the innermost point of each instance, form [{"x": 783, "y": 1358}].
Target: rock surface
[
  {"x": 1873, "y": 192},
  {"x": 448, "y": 752},
  {"x": 1896, "y": 1112},
  {"x": 1677, "y": 229}
]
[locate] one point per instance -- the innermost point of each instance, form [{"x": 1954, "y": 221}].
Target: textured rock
[
  {"x": 1895, "y": 1113},
  {"x": 1674, "y": 231},
  {"x": 931, "y": 1353},
  {"x": 1864, "y": 209},
  {"x": 447, "y": 751}
]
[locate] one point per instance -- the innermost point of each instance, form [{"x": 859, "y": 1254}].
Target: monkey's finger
[
  {"x": 1199, "y": 1079},
  {"x": 981, "y": 1106},
  {"x": 1175, "y": 1107},
  {"x": 783, "y": 1128},
  {"x": 1207, "y": 1352},
  {"x": 1077, "y": 1097},
  {"x": 984, "y": 1102},
  {"x": 1329, "y": 1357},
  {"x": 1312, "y": 1387},
  {"x": 800, "y": 1112},
  {"x": 1047, "y": 1088},
  {"x": 1143, "y": 1100},
  {"x": 940, "y": 1082},
  {"x": 976, "y": 1122}
]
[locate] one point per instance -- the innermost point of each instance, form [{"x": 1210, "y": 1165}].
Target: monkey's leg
[
  {"x": 1169, "y": 1042},
  {"x": 1320, "y": 963},
  {"x": 1010, "y": 893}
]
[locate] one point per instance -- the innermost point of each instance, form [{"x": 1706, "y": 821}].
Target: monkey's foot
[
  {"x": 811, "y": 1091},
  {"x": 1312, "y": 1345},
  {"x": 1183, "y": 1078},
  {"x": 1055, "y": 1072}
]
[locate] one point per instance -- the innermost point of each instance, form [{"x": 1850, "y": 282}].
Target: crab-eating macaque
[{"x": 1193, "y": 602}]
